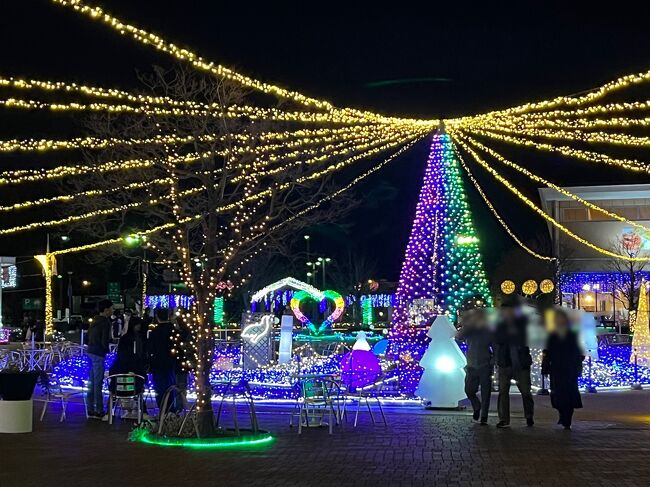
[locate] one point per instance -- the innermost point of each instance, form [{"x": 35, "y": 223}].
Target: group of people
[
  {"x": 142, "y": 348},
  {"x": 505, "y": 346},
  {"x": 33, "y": 329}
]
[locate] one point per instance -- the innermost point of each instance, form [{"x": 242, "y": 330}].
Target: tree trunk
[
  {"x": 205, "y": 347},
  {"x": 631, "y": 298}
]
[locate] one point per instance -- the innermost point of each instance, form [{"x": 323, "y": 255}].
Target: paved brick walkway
[{"x": 610, "y": 445}]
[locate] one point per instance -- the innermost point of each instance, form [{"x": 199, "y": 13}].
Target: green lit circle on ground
[{"x": 248, "y": 439}]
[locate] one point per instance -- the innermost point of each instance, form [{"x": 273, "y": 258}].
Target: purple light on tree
[{"x": 442, "y": 262}]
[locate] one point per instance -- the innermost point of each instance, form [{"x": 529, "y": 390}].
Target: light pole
[
  {"x": 311, "y": 272},
  {"x": 307, "y": 238},
  {"x": 323, "y": 261},
  {"x": 69, "y": 295},
  {"x": 133, "y": 240}
]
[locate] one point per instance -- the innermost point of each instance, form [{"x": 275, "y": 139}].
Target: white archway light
[{"x": 286, "y": 282}]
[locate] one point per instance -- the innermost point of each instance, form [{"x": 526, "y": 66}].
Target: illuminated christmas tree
[
  {"x": 641, "y": 337},
  {"x": 442, "y": 263}
]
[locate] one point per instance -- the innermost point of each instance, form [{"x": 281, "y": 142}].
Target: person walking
[
  {"x": 29, "y": 324},
  {"x": 161, "y": 360},
  {"x": 513, "y": 361},
  {"x": 562, "y": 360},
  {"x": 99, "y": 336},
  {"x": 478, "y": 372}
]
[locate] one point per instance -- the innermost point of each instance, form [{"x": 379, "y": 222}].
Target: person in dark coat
[
  {"x": 99, "y": 335},
  {"x": 131, "y": 356},
  {"x": 562, "y": 360},
  {"x": 513, "y": 361},
  {"x": 132, "y": 352},
  {"x": 478, "y": 372},
  {"x": 161, "y": 359}
]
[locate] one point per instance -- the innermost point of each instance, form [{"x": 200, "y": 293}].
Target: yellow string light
[
  {"x": 367, "y": 144},
  {"x": 570, "y": 124},
  {"x": 539, "y": 179},
  {"x": 203, "y": 65},
  {"x": 91, "y": 91},
  {"x": 67, "y": 198},
  {"x": 188, "y": 192},
  {"x": 167, "y": 226},
  {"x": 584, "y": 155},
  {"x": 211, "y": 110},
  {"x": 38, "y": 175},
  {"x": 496, "y": 214},
  {"x": 352, "y": 183},
  {"x": 542, "y": 213},
  {"x": 397, "y": 132},
  {"x": 35, "y": 175},
  {"x": 618, "y": 84},
  {"x": 577, "y": 136},
  {"x": 150, "y": 105},
  {"x": 487, "y": 119}
]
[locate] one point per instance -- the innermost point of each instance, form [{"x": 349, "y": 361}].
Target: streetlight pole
[
  {"x": 307, "y": 238},
  {"x": 323, "y": 261},
  {"x": 69, "y": 295}
]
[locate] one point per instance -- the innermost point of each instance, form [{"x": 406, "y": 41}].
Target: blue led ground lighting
[{"x": 612, "y": 369}]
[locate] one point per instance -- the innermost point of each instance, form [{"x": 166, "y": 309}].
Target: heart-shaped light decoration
[{"x": 300, "y": 296}]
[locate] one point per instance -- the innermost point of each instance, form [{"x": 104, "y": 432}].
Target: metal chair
[
  {"x": 234, "y": 390},
  {"x": 55, "y": 393},
  {"x": 72, "y": 350},
  {"x": 36, "y": 359},
  {"x": 123, "y": 387},
  {"x": 315, "y": 399},
  {"x": 365, "y": 394}
]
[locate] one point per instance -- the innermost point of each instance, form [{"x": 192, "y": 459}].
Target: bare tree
[
  {"x": 351, "y": 276},
  {"x": 629, "y": 271},
  {"x": 219, "y": 199}
]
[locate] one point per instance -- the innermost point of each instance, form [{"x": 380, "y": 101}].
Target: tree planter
[
  {"x": 16, "y": 408},
  {"x": 225, "y": 440}
]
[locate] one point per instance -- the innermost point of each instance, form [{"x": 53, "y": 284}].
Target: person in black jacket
[
  {"x": 161, "y": 360},
  {"x": 132, "y": 356},
  {"x": 478, "y": 372},
  {"x": 99, "y": 335},
  {"x": 513, "y": 361},
  {"x": 131, "y": 351},
  {"x": 562, "y": 360}
]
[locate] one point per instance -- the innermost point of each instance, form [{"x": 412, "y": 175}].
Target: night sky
[{"x": 473, "y": 59}]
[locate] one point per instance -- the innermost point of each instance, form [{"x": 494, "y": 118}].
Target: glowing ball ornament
[
  {"x": 322, "y": 297},
  {"x": 507, "y": 287},
  {"x": 443, "y": 382},
  {"x": 529, "y": 287},
  {"x": 546, "y": 286},
  {"x": 360, "y": 367}
]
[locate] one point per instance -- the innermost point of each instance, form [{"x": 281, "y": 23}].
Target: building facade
[{"x": 590, "y": 280}]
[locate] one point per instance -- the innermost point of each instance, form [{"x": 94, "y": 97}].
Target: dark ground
[{"x": 610, "y": 445}]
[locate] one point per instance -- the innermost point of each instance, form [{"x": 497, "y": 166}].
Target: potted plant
[{"x": 16, "y": 408}]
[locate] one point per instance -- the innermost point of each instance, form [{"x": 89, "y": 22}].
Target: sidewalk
[{"x": 610, "y": 445}]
